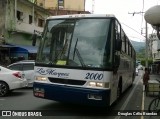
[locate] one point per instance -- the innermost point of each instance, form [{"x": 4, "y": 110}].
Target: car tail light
[{"x": 17, "y": 74}]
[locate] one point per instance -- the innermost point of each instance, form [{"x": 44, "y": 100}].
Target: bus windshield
[{"x": 76, "y": 42}]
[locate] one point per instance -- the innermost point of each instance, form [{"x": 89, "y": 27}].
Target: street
[
  {"x": 85, "y": 51},
  {"x": 131, "y": 100}
]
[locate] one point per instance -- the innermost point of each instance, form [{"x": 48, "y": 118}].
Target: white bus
[{"x": 84, "y": 59}]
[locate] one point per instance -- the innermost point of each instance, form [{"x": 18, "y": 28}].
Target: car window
[
  {"x": 16, "y": 67},
  {"x": 28, "y": 67}
]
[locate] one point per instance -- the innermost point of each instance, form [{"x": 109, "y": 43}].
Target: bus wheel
[{"x": 119, "y": 89}]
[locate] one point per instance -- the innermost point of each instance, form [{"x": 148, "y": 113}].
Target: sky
[{"x": 133, "y": 25}]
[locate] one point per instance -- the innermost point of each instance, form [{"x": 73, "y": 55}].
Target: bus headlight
[
  {"x": 95, "y": 84},
  {"x": 41, "y": 78},
  {"x": 99, "y": 84}
]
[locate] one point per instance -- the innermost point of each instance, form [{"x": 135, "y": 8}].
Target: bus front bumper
[{"x": 79, "y": 95}]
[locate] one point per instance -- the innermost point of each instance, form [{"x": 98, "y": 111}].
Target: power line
[
  {"x": 133, "y": 13},
  {"x": 136, "y": 37},
  {"x": 133, "y": 29}
]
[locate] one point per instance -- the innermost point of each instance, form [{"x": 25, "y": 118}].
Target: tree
[{"x": 140, "y": 55}]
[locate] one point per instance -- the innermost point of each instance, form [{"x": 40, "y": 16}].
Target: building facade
[
  {"x": 75, "y": 5},
  {"x": 19, "y": 19},
  {"x": 154, "y": 45},
  {"x": 22, "y": 19},
  {"x": 62, "y": 7}
]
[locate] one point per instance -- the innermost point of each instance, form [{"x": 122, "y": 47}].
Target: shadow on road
[
  {"x": 19, "y": 92},
  {"x": 15, "y": 94}
]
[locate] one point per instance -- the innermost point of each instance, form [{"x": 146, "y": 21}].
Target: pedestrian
[{"x": 145, "y": 78}]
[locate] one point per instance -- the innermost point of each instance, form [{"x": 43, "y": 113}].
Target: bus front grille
[{"x": 67, "y": 81}]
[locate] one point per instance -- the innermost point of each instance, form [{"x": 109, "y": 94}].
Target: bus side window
[
  {"x": 123, "y": 37},
  {"x": 118, "y": 30},
  {"x": 118, "y": 43}
]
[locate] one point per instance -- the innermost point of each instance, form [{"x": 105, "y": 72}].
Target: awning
[
  {"x": 26, "y": 48},
  {"x": 20, "y": 48},
  {"x": 7, "y": 46}
]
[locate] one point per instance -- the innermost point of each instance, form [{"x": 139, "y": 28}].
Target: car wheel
[{"x": 3, "y": 89}]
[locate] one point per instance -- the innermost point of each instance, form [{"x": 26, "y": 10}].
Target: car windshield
[{"x": 76, "y": 42}]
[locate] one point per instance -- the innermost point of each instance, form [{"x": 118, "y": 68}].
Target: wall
[
  {"x": 24, "y": 22},
  {"x": 2, "y": 16},
  {"x": 18, "y": 26},
  {"x": 74, "y": 5},
  {"x": 155, "y": 47},
  {"x": 10, "y": 16},
  {"x": 78, "y": 5}
]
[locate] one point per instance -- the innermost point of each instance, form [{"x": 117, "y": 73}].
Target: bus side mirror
[
  {"x": 118, "y": 44},
  {"x": 34, "y": 38}
]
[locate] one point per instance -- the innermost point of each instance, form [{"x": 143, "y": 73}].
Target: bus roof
[{"x": 81, "y": 16}]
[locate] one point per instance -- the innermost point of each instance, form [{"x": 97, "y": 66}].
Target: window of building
[
  {"x": 60, "y": 4},
  {"x": 40, "y": 22},
  {"x": 41, "y": 4},
  {"x": 30, "y": 19},
  {"x": 19, "y": 15}
]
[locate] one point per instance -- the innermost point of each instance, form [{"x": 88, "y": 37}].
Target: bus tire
[{"x": 119, "y": 89}]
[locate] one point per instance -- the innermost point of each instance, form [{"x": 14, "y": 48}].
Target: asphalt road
[{"x": 23, "y": 99}]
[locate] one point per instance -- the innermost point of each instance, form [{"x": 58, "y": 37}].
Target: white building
[
  {"x": 22, "y": 18},
  {"x": 155, "y": 44}
]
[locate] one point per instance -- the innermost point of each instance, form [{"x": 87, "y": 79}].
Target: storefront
[
  {"x": 5, "y": 53},
  {"x": 24, "y": 51},
  {"x": 17, "y": 52}
]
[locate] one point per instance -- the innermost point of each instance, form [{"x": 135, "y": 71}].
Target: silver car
[{"x": 26, "y": 67}]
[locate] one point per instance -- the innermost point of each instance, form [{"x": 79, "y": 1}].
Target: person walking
[{"x": 145, "y": 78}]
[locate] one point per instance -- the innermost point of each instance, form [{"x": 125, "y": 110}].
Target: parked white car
[
  {"x": 140, "y": 67},
  {"x": 10, "y": 80},
  {"x": 137, "y": 71},
  {"x": 26, "y": 67}
]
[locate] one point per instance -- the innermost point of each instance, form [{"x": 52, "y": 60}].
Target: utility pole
[
  {"x": 146, "y": 36},
  {"x": 93, "y": 5},
  {"x": 147, "y": 43}
]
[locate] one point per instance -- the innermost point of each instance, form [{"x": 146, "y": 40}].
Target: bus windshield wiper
[
  {"x": 76, "y": 51},
  {"x": 80, "y": 58}
]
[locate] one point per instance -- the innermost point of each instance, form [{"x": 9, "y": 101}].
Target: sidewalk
[
  {"x": 151, "y": 95},
  {"x": 155, "y": 76},
  {"x": 153, "y": 84}
]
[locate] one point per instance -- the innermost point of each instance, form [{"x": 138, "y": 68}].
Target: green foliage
[
  {"x": 140, "y": 52},
  {"x": 150, "y": 61},
  {"x": 140, "y": 55}
]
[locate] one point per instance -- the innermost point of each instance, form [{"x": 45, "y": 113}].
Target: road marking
[
  {"x": 142, "y": 102},
  {"x": 129, "y": 97}
]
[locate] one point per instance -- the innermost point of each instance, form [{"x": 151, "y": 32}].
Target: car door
[{"x": 28, "y": 70}]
